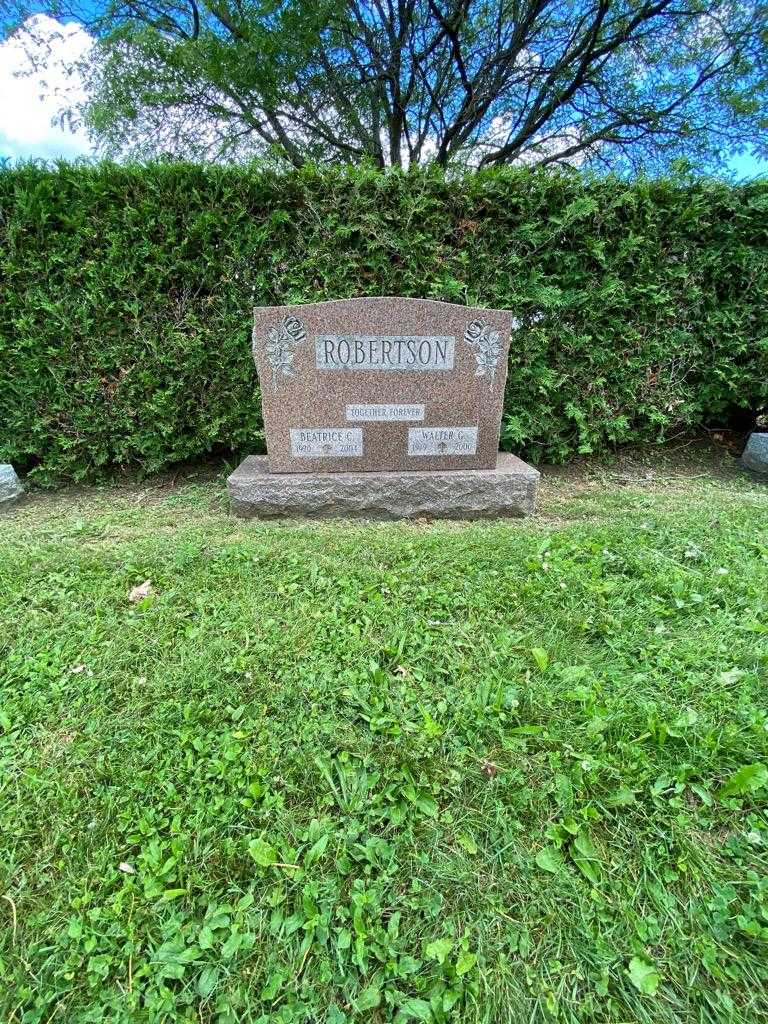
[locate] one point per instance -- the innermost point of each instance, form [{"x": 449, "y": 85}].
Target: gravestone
[
  {"x": 10, "y": 485},
  {"x": 383, "y": 407},
  {"x": 755, "y": 455}
]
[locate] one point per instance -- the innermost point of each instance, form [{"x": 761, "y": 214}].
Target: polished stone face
[{"x": 381, "y": 384}]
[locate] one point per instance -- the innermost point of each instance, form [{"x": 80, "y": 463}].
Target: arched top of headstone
[{"x": 387, "y": 300}]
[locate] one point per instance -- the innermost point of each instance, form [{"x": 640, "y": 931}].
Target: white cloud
[{"x": 37, "y": 80}]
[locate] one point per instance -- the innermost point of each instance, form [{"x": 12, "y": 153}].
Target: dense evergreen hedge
[{"x": 125, "y": 297}]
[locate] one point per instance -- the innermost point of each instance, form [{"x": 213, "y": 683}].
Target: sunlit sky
[
  {"x": 745, "y": 167},
  {"x": 29, "y": 104}
]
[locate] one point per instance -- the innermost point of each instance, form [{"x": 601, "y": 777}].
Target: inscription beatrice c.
[
  {"x": 326, "y": 442},
  {"x": 384, "y": 352}
]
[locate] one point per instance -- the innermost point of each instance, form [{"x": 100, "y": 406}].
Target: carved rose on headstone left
[{"x": 281, "y": 345}]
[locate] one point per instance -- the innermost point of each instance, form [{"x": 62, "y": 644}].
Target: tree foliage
[
  {"x": 125, "y": 297},
  {"x": 634, "y": 83}
]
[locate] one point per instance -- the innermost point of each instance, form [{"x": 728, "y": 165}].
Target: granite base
[{"x": 508, "y": 490}]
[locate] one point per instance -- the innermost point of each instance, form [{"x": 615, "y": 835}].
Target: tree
[{"x": 620, "y": 83}]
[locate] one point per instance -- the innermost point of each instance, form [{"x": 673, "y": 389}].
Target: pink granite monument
[{"x": 385, "y": 407}]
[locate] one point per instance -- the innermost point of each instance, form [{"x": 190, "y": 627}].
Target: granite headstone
[
  {"x": 10, "y": 485},
  {"x": 755, "y": 455},
  {"x": 384, "y": 407},
  {"x": 369, "y": 385}
]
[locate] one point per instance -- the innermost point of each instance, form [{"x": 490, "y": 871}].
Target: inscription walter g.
[
  {"x": 411, "y": 353},
  {"x": 366, "y": 413},
  {"x": 326, "y": 442},
  {"x": 442, "y": 440}
]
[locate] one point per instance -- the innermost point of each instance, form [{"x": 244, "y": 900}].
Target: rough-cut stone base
[{"x": 508, "y": 490}]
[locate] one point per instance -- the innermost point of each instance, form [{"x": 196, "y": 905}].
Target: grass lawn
[{"x": 392, "y": 772}]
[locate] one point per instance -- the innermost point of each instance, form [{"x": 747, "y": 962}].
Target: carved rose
[
  {"x": 295, "y": 328},
  {"x": 486, "y": 344},
  {"x": 281, "y": 347}
]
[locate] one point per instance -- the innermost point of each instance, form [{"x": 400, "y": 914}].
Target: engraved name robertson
[{"x": 384, "y": 352}]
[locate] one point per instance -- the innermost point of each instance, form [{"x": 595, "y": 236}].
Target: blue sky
[
  {"x": 745, "y": 167},
  {"x": 26, "y": 112}
]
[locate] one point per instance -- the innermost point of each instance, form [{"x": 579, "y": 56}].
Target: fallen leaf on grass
[{"x": 140, "y": 592}]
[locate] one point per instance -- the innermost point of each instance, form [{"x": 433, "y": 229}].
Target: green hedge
[{"x": 125, "y": 297}]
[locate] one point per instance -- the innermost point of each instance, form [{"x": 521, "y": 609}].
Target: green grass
[{"x": 385, "y": 772}]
